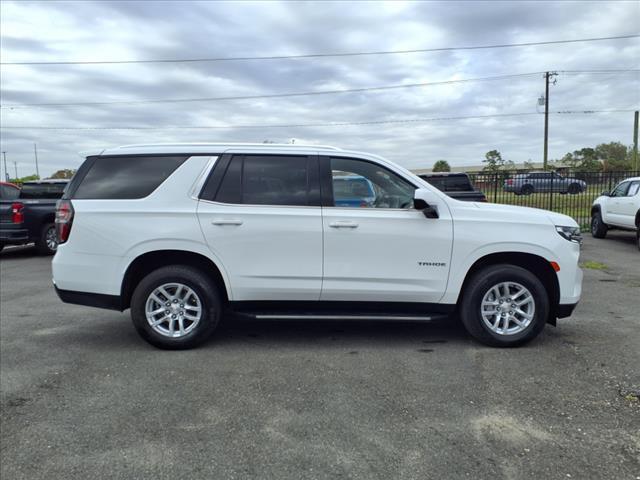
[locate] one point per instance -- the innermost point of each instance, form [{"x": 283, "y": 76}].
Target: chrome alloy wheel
[
  {"x": 507, "y": 308},
  {"x": 51, "y": 239},
  {"x": 173, "y": 310}
]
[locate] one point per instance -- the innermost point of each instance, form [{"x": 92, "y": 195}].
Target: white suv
[
  {"x": 619, "y": 208},
  {"x": 182, "y": 233}
]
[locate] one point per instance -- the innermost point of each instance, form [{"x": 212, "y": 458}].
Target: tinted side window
[
  {"x": 272, "y": 180},
  {"x": 266, "y": 180},
  {"x": 8, "y": 193},
  {"x": 231, "y": 187},
  {"x": 126, "y": 177},
  {"x": 382, "y": 187}
]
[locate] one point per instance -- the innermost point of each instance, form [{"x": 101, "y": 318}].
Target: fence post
[{"x": 495, "y": 188}]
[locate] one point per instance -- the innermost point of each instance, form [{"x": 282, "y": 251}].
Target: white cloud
[{"x": 50, "y": 31}]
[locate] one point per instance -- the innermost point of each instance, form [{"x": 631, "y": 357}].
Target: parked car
[
  {"x": 528, "y": 183},
  {"x": 456, "y": 185},
  {"x": 182, "y": 233},
  {"x": 619, "y": 208},
  {"x": 353, "y": 191},
  {"x": 27, "y": 215}
]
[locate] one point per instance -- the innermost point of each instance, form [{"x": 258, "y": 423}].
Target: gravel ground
[{"x": 82, "y": 396}]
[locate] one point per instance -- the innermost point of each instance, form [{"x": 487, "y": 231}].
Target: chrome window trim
[{"x": 202, "y": 177}]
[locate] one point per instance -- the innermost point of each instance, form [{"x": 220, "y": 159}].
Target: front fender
[{"x": 463, "y": 261}]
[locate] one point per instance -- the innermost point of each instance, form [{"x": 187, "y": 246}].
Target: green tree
[
  {"x": 21, "y": 180},
  {"x": 614, "y": 156},
  {"x": 441, "y": 166},
  {"x": 64, "y": 173},
  {"x": 495, "y": 162},
  {"x": 585, "y": 159}
]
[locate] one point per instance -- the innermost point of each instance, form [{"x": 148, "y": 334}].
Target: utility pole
[
  {"x": 15, "y": 165},
  {"x": 635, "y": 140},
  {"x": 35, "y": 152},
  {"x": 6, "y": 172},
  {"x": 547, "y": 77}
]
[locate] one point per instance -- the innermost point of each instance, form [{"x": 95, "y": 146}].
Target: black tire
[
  {"x": 45, "y": 244},
  {"x": 480, "y": 284},
  {"x": 638, "y": 237},
  {"x": 598, "y": 227},
  {"x": 527, "y": 189},
  {"x": 1, "y": 246},
  {"x": 574, "y": 189},
  {"x": 203, "y": 287}
]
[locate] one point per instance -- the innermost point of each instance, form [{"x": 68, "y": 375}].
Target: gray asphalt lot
[{"x": 83, "y": 397}]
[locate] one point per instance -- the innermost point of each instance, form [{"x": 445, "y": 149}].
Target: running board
[{"x": 402, "y": 318}]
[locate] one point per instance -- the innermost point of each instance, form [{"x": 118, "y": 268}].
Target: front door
[
  {"x": 616, "y": 204},
  {"x": 263, "y": 221},
  {"x": 382, "y": 250}
]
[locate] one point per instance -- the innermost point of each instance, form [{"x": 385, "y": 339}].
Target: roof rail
[{"x": 261, "y": 145}]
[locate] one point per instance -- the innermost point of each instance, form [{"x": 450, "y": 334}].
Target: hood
[{"x": 525, "y": 214}]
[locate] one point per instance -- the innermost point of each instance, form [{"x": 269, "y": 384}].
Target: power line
[
  {"x": 330, "y": 124},
  {"x": 325, "y": 55},
  {"x": 295, "y": 94},
  {"x": 615, "y": 70},
  {"x": 274, "y": 95}
]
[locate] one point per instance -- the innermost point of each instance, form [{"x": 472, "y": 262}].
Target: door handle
[
  {"x": 222, "y": 221},
  {"x": 343, "y": 224}
]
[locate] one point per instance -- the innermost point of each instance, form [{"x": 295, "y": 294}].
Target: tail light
[
  {"x": 17, "y": 212},
  {"x": 509, "y": 181},
  {"x": 64, "y": 220}
]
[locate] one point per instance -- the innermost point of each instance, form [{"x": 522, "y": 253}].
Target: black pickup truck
[
  {"x": 455, "y": 185},
  {"x": 27, "y": 214}
]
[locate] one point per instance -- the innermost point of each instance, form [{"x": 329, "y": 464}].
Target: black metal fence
[{"x": 571, "y": 193}]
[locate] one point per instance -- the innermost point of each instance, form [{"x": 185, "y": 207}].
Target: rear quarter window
[
  {"x": 8, "y": 192},
  {"x": 120, "y": 178}
]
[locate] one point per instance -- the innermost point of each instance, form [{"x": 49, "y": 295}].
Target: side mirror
[
  {"x": 426, "y": 201},
  {"x": 605, "y": 193}
]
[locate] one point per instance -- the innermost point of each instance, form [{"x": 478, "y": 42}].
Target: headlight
[{"x": 570, "y": 233}]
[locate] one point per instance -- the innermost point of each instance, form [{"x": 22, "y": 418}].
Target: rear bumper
[
  {"x": 98, "y": 300},
  {"x": 11, "y": 236}
]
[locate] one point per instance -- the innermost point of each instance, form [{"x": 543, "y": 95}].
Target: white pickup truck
[{"x": 619, "y": 208}]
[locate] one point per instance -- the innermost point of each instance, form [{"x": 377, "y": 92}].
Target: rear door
[
  {"x": 385, "y": 250},
  {"x": 261, "y": 216}
]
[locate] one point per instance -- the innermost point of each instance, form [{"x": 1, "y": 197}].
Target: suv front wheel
[
  {"x": 504, "y": 306},
  {"x": 175, "y": 307}
]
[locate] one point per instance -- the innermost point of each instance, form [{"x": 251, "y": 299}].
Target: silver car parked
[{"x": 528, "y": 183}]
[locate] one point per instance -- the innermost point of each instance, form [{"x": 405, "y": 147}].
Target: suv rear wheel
[
  {"x": 504, "y": 306},
  {"x": 175, "y": 307},
  {"x": 598, "y": 227}
]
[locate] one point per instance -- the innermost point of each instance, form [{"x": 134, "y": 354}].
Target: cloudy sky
[{"x": 115, "y": 31}]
